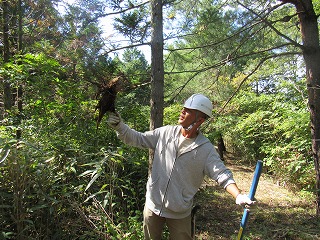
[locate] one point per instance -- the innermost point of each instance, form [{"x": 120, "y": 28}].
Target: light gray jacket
[{"x": 175, "y": 178}]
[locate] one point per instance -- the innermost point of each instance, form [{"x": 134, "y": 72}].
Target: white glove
[
  {"x": 244, "y": 200},
  {"x": 114, "y": 119}
]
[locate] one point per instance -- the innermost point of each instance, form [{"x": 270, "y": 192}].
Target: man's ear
[{"x": 201, "y": 120}]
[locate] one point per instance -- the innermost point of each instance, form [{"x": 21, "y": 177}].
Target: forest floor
[{"x": 278, "y": 214}]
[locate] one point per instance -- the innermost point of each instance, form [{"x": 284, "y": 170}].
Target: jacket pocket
[
  {"x": 153, "y": 191},
  {"x": 179, "y": 201}
]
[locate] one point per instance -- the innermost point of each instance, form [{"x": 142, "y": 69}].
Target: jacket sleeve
[
  {"x": 216, "y": 170},
  {"x": 134, "y": 138}
]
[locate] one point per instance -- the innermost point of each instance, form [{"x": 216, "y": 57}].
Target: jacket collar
[{"x": 200, "y": 139}]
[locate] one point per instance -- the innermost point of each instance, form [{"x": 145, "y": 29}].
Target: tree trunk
[
  {"x": 157, "y": 69},
  {"x": 7, "y": 100},
  {"x": 19, "y": 90},
  {"x": 311, "y": 53},
  {"x": 221, "y": 146}
]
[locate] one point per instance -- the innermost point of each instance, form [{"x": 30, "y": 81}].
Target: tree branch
[
  {"x": 272, "y": 27},
  {"x": 124, "y": 10},
  {"x": 125, "y": 47},
  {"x": 215, "y": 43},
  {"x": 249, "y": 75},
  {"x": 234, "y": 58},
  {"x": 94, "y": 19}
]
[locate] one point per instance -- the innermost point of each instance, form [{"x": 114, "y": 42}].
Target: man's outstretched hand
[
  {"x": 114, "y": 119},
  {"x": 244, "y": 200}
]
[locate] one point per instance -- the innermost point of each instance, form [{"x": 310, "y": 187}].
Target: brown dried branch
[{"x": 108, "y": 94}]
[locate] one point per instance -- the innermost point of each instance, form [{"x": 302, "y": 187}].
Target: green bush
[
  {"x": 65, "y": 178},
  {"x": 274, "y": 129}
]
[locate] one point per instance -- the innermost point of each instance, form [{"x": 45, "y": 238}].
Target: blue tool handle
[
  {"x": 252, "y": 192},
  {"x": 255, "y": 180}
]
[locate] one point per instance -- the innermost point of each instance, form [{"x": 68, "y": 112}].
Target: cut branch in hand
[{"x": 108, "y": 93}]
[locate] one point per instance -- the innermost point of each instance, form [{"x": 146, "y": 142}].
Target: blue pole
[{"x": 252, "y": 192}]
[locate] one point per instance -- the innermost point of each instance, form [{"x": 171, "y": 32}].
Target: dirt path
[{"x": 279, "y": 214}]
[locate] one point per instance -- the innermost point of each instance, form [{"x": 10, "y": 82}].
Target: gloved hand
[
  {"x": 114, "y": 119},
  {"x": 244, "y": 200}
]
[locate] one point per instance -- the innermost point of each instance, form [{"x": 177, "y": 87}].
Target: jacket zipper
[{"x": 166, "y": 190}]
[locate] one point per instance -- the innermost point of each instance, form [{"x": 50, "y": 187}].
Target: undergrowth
[{"x": 278, "y": 214}]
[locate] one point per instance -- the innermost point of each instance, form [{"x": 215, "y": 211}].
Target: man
[{"x": 182, "y": 157}]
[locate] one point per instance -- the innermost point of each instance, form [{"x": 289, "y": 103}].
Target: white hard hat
[{"x": 199, "y": 102}]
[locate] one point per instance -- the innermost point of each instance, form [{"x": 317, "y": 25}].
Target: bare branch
[
  {"x": 197, "y": 72},
  {"x": 179, "y": 90},
  {"x": 242, "y": 82},
  {"x": 234, "y": 58},
  {"x": 241, "y": 30},
  {"x": 115, "y": 13},
  {"x": 249, "y": 75},
  {"x": 124, "y": 10},
  {"x": 294, "y": 2},
  {"x": 125, "y": 47},
  {"x": 268, "y": 23},
  {"x": 218, "y": 42}
]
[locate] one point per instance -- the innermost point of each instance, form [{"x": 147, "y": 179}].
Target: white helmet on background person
[{"x": 199, "y": 102}]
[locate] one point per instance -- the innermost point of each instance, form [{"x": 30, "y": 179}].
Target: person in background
[{"x": 182, "y": 158}]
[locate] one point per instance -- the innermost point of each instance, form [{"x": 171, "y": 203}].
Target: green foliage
[
  {"x": 171, "y": 114},
  {"x": 135, "y": 65},
  {"x": 64, "y": 169},
  {"x": 270, "y": 128},
  {"x": 66, "y": 179},
  {"x": 133, "y": 24}
]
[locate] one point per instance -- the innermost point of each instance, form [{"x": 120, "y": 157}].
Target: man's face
[{"x": 187, "y": 117}]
